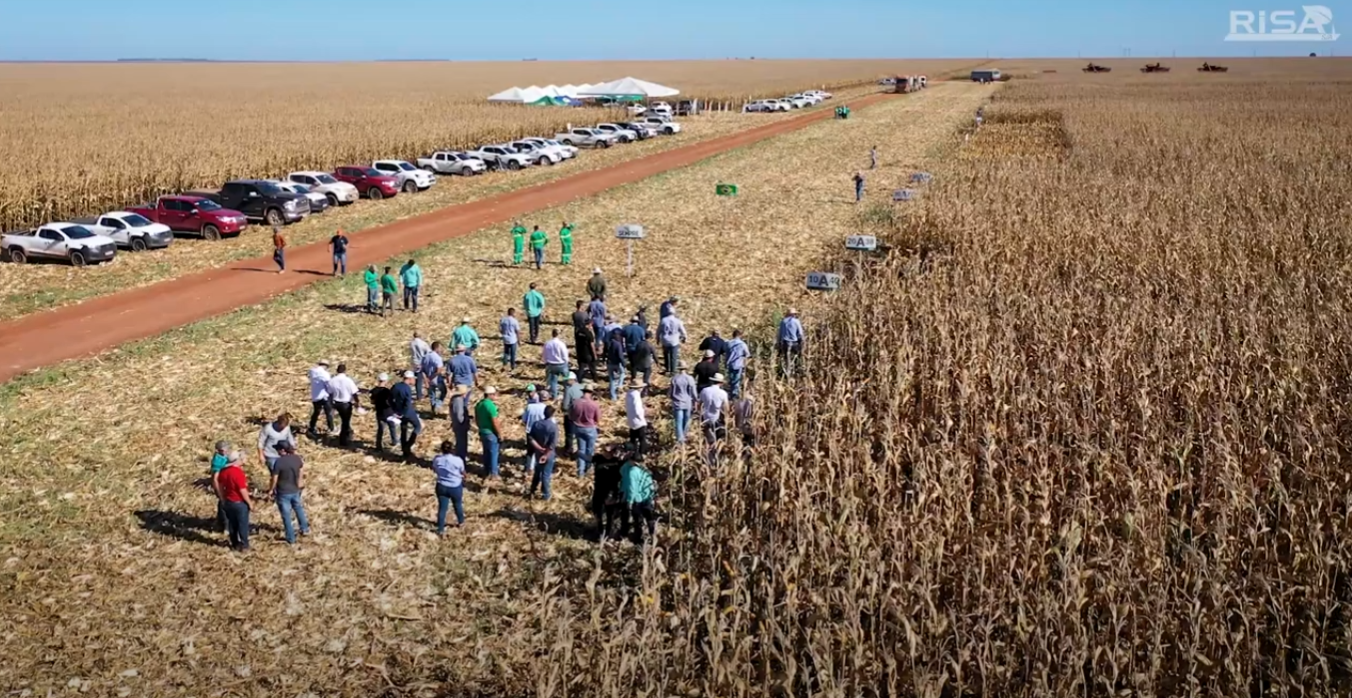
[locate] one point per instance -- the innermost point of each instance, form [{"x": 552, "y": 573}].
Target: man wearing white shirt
[
  {"x": 556, "y": 361},
  {"x": 713, "y": 409},
  {"x": 319, "y": 398},
  {"x": 636, "y": 416},
  {"x": 343, "y": 392},
  {"x": 418, "y": 349}
]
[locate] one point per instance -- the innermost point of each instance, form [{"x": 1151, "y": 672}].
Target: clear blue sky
[{"x": 334, "y": 30}]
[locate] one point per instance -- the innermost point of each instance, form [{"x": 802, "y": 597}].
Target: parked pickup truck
[
  {"x": 260, "y": 200},
  {"x": 504, "y": 157},
  {"x": 586, "y": 137},
  {"x": 319, "y": 203},
  {"x": 568, "y": 151},
  {"x": 131, "y": 231},
  {"x": 69, "y": 241},
  {"x": 452, "y": 162},
  {"x": 338, "y": 193},
  {"x": 623, "y": 135},
  {"x": 370, "y": 182},
  {"x": 545, "y": 155},
  {"x": 194, "y": 214},
  {"x": 411, "y": 179},
  {"x": 662, "y": 124},
  {"x": 643, "y": 130}
]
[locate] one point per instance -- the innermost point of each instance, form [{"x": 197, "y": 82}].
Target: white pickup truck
[
  {"x": 583, "y": 137},
  {"x": 452, "y": 162},
  {"x": 504, "y": 157},
  {"x": 662, "y": 124},
  {"x": 547, "y": 154},
  {"x": 131, "y": 231},
  {"x": 411, "y": 179},
  {"x": 68, "y": 241},
  {"x": 569, "y": 151}
]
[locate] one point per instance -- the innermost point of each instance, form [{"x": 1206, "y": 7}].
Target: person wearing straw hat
[
  {"x": 713, "y": 410},
  {"x": 319, "y": 398},
  {"x": 386, "y": 419},
  {"x": 636, "y": 416},
  {"x": 450, "y": 472},
  {"x": 232, "y": 484},
  {"x": 571, "y": 392},
  {"x": 464, "y": 334},
  {"x": 460, "y": 413},
  {"x": 586, "y": 415},
  {"x": 596, "y": 286},
  {"x": 715, "y": 343},
  {"x": 490, "y": 430},
  {"x": 789, "y": 342},
  {"x": 542, "y": 440},
  {"x": 683, "y": 395}
]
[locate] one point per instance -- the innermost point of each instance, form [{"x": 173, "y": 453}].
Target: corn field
[
  {"x": 1082, "y": 432},
  {"x": 81, "y": 140}
]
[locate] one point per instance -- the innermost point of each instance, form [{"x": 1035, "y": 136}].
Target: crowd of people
[{"x": 708, "y": 398}]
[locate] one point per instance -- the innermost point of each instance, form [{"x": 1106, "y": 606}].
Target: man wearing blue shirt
[
  {"x": 463, "y": 369},
  {"x": 410, "y": 426},
  {"x": 737, "y": 352},
  {"x": 790, "y": 342}
]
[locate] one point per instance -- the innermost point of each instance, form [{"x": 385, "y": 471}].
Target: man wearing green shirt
[
  {"x": 518, "y": 243},
  {"x": 538, "y": 238},
  {"x": 566, "y": 242},
  {"x": 490, "y": 430},
  {"x": 636, "y": 484},
  {"x": 534, "y": 302},
  {"x": 372, "y": 289},
  {"x": 388, "y": 287},
  {"x": 411, "y": 275},
  {"x": 466, "y": 336}
]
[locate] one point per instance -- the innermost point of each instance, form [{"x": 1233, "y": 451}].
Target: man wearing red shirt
[
  {"x": 234, "y": 491},
  {"x": 586, "y": 417}
]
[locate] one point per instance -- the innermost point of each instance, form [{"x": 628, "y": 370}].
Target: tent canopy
[
  {"x": 517, "y": 95},
  {"x": 628, "y": 87}
]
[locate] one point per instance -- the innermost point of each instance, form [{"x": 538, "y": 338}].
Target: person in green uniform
[
  {"x": 538, "y": 238},
  {"x": 388, "y": 286},
  {"x": 566, "y": 242},
  {"x": 518, "y": 243},
  {"x": 372, "y": 289},
  {"x": 534, "y": 301}
]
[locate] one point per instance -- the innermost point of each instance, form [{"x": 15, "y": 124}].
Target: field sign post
[
  {"x": 862, "y": 244},
  {"x": 921, "y": 177},
  {"x": 903, "y": 195},
  {"x": 629, "y": 232},
  {"x": 823, "y": 281}
]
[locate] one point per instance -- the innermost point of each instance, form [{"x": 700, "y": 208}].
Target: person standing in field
[
  {"x": 343, "y": 392},
  {"x": 380, "y": 405},
  {"x": 581, "y": 318},
  {"x": 641, "y": 359},
  {"x": 319, "y": 398},
  {"x": 233, "y": 485},
  {"x": 636, "y": 416},
  {"x": 671, "y": 331},
  {"x": 705, "y": 370},
  {"x": 858, "y": 187},
  {"x": 715, "y": 343},
  {"x": 534, "y": 303},
  {"x": 542, "y": 439},
  {"x": 417, "y": 351},
  {"x": 411, "y": 275},
  {"x": 683, "y": 395},
  {"x": 450, "y": 471},
  {"x": 571, "y": 392},
  {"x": 490, "y": 431},
  {"x": 586, "y": 416},
  {"x": 463, "y": 369},
  {"x": 287, "y": 482},
  {"x": 538, "y": 240},
  {"x": 633, "y": 334},
  {"x": 596, "y": 286},
  {"x": 597, "y": 310},
  {"x": 639, "y": 492},
  {"x": 616, "y": 355},
  {"x": 460, "y": 420},
  {"x": 518, "y": 243},
  {"x": 555, "y": 356},
  {"x": 372, "y": 279},
  {"x": 509, "y": 329},
  {"x": 713, "y": 410},
  {"x": 219, "y": 459},
  {"x": 667, "y": 308},
  {"x": 432, "y": 370},
  {"x": 534, "y": 412},
  {"x": 789, "y": 342},
  {"x": 271, "y": 435},
  {"x": 464, "y": 334},
  {"x": 737, "y": 352},
  {"x": 873, "y": 158},
  {"x": 566, "y": 245},
  {"x": 743, "y": 412},
  {"x": 586, "y": 353},
  {"x": 403, "y": 404},
  {"x": 388, "y": 287},
  {"x": 338, "y": 248}
]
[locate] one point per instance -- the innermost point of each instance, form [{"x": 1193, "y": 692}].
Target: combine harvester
[
  {"x": 1095, "y": 68},
  {"x": 1210, "y": 68},
  {"x": 903, "y": 84},
  {"x": 1155, "y": 68}
]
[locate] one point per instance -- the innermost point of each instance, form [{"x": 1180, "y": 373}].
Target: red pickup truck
[
  {"x": 194, "y": 214},
  {"x": 370, "y": 182}
]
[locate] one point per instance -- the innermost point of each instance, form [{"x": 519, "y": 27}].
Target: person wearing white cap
[
  {"x": 636, "y": 416},
  {"x": 464, "y": 334},
  {"x": 571, "y": 393},
  {"x": 403, "y": 404},
  {"x": 460, "y": 419},
  {"x": 319, "y": 397},
  {"x": 596, "y": 286},
  {"x": 789, "y": 342},
  {"x": 490, "y": 430},
  {"x": 705, "y": 370},
  {"x": 713, "y": 411}
]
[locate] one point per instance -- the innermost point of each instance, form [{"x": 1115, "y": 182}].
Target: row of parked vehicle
[
  {"x": 801, "y": 100},
  {"x": 226, "y": 212}
]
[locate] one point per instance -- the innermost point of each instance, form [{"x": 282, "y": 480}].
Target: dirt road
[{"x": 47, "y": 338}]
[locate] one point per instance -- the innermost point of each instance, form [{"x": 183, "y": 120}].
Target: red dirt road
[{"x": 71, "y": 332}]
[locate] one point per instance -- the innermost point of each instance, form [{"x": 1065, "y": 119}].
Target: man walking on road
[
  {"x": 538, "y": 240},
  {"x": 555, "y": 356},
  {"x": 737, "y": 352},
  {"x": 411, "y": 275},
  {"x": 418, "y": 350},
  {"x": 464, "y": 334},
  {"x": 672, "y": 333},
  {"x": 343, "y": 392},
  {"x": 597, "y": 285},
  {"x": 388, "y": 287},
  {"x": 319, "y": 398},
  {"x": 490, "y": 430},
  {"x": 279, "y": 249},
  {"x": 534, "y": 303},
  {"x": 372, "y": 279},
  {"x": 518, "y": 243},
  {"x": 683, "y": 395},
  {"x": 338, "y": 247},
  {"x": 509, "y": 329},
  {"x": 566, "y": 243},
  {"x": 789, "y": 342}
]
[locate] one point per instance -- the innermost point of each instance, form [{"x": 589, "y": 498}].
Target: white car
[
  {"x": 660, "y": 108},
  {"x": 453, "y": 162},
  {"x": 69, "y": 241},
  {"x": 823, "y": 94},
  {"x": 661, "y": 124},
  {"x": 318, "y": 202},
  {"x": 131, "y": 231},
  {"x": 549, "y": 155},
  {"x": 569, "y": 151},
  {"x": 338, "y": 193},
  {"x": 590, "y": 137},
  {"x": 796, "y": 102},
  {"x": 411, "y": 179},
  {"x": 766, "y": 105},
  {"x": 635, "y": 109},
  {"x": 504, "y": 157},
  {"x": 810, "y": 98},
  {"x": 622, "y": 134}
]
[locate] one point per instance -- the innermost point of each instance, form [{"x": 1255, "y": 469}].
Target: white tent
[
  {"x": 517, "y": 95},
  {"x": 628, "y": 87}
]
